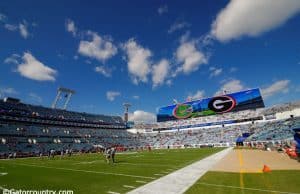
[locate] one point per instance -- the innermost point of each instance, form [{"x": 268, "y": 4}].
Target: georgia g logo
[{"x": 222, "y": 104}]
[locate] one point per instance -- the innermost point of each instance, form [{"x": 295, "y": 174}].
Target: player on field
[
  {"x": 113, "y": 152},
  {"x": 108, "y": 155}
]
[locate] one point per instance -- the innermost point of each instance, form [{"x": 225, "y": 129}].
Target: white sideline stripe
[
  {"x": 3, "y": 173},
  {"x": 245, "y": 188},
  {"x": 123, "y": 163},
  {"x": 142, "y": 164},
  {"x": 91, "y": 162},
  {"x": 158, "y": 174},
  {"x": 111, "y": 192},
  {"x": 126, "y": 153},
  {"x": 141, "y": 181},
  {"x": 129, "y": 186},
  {"x": 180, "y": 180},
  {"x": 87, "y": 171}
]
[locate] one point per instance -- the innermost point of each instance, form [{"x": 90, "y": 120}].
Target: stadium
[
  {"x": 231, "y": 138},
  {"x": 149, "y": 97}
]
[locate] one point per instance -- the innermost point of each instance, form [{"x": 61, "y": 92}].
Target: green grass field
[
  {"x": 90, "y": 173},
  {"x": 248, "y": 183}
]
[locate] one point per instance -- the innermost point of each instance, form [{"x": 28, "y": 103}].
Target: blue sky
[{"x": 148, "y": 52}]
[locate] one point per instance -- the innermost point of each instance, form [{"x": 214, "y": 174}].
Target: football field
[{"x": 89, "y": 173}]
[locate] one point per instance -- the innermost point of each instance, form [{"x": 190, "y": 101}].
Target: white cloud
[
  {"x": 23, "y": 30},
  {"x": 178, "y": 25},
  {"x": 13, "y": 59},
  {"x": 7, "y": 91},
  {"x": 230, "y": 87},
  {"x": 138, "y": 62},
  {"x": 11, "y": 27},
  {"x": 140, "y": 116},
  {"x": 252, "y": 17},
  {"x": 190, "y": 57},
  {"x": 198, "y": 95},
  {"x": 162, "y": 9},
  {"x": 233, "y": 69},
  {"x": 215, "y": 71},
  {"x": 34, "y": 69},
  {"x": 103, "y": 70},
  {"x": 2, "y": 17},
  {"x": 160, "y": 72},
  {"x": 70, "y": 27},
  {"x": 281, "y": 86},
  {"x": 100, "y": 48},
  {"x": 21, "y": 27},
  {"x": 169, "y": 82},
  {"x": 35, "y": 98},
  {"x": 111, "y": 95},
  {"x": 136, "y": 97}
]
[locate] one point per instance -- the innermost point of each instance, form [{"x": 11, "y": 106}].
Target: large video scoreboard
[{"x": 248, "y": 99}]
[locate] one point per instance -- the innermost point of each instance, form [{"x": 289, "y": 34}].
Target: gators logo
[{"x": 183, "y": 111}]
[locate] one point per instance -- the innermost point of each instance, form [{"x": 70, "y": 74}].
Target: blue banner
[{"x": 249, "y": 99}]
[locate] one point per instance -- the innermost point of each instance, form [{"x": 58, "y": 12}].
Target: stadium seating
[{"x": 33, "y": 130}]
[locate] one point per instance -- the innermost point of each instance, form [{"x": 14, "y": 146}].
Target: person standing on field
[
  {"x": 108, "y": 155},
  {"x": 113, "y": 152}
]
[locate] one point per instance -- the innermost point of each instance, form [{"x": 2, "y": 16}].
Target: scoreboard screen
[{"x": 249, "y": 99}]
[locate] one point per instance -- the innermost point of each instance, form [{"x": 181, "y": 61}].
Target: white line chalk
[{"x": 180, "y": 180}]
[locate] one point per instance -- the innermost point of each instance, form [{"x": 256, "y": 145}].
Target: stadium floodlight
[
  {"x": 126, "y": 106},
  {"x": 66, "y": 93},
  {"x": 175, "y": 101}
]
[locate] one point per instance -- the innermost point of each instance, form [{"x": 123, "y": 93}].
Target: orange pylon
[{"x": 266, "y": 169}]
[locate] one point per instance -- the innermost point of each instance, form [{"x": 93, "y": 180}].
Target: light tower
[
  {"x": 126, "y": 106},
  {"x": 65, "y": 92}
]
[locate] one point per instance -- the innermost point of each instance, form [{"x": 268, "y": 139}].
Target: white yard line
[
  {"x": 87, "y": 171},
  {"x": 123, "y": 163},
  {"x": 142, "y": 164},
  {"x": 138, "y": 181},
  {"x": 129, "y": 186},
  {"x": 90, "y": 162},
  {"x": 126, "y": 153},
  {"x": 245, "y": 188},
  {"x": 180, "y": 180},
  {"x": 111, "y": 192}
]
